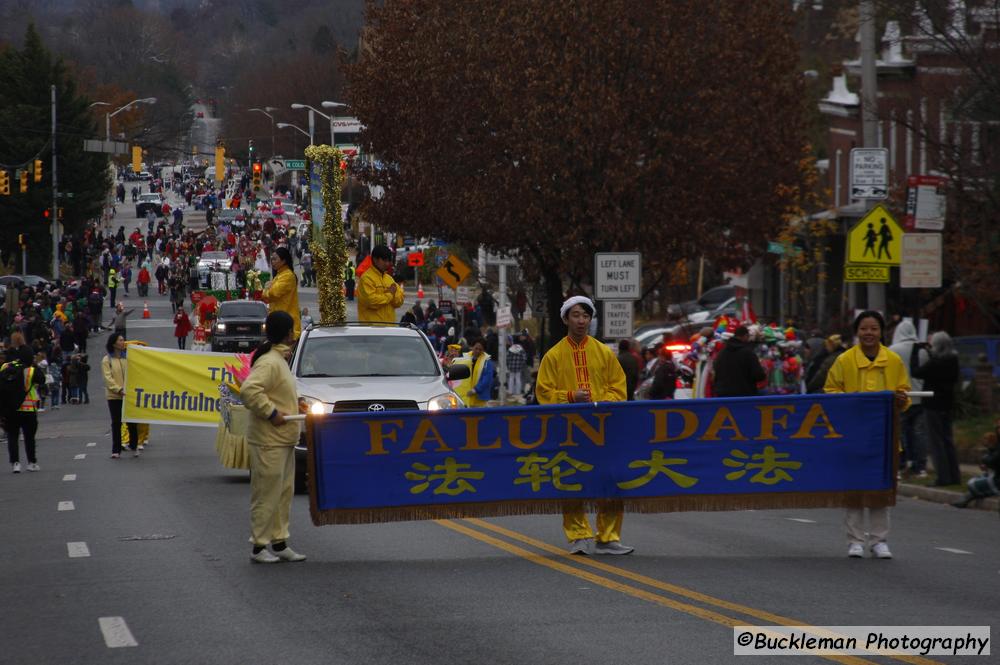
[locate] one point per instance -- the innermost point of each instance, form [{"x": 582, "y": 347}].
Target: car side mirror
[{"x": 458, "y": 372}]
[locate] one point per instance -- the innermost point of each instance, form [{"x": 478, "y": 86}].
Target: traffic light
[
  {"x": 4, "y": 183},
  {"x": 257, "y": 172},
  {"x": 24, "y": 181},
  {"x": 59, "y": 213},
  {"x": 22, "y": 239},
  {"x": 38, "y": 170},
  {"x": 250, "y": 148},
  {"x": 46, "y": 214}
]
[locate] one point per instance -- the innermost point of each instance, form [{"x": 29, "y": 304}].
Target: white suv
[{"x": 369, "y": 368}]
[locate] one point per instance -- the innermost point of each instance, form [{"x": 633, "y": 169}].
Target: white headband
[{"x": 576, "y": 300}]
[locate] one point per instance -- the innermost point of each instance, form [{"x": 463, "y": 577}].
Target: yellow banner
[
  {"x": 136, "y": 158},
  {"x": 173, "y": 387}
]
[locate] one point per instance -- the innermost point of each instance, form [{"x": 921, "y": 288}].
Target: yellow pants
[
  {"x": 272, "y": 483},
  {"x": 576, "y": 524},
  {"x": 143, "y": 433}
]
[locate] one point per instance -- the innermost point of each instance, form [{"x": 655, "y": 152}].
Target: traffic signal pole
[{"x": 55, "y": 198}]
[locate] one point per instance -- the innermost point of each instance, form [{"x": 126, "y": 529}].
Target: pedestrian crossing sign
[{"x": 877, "y": 239}]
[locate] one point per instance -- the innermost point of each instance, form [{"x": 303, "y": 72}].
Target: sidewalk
[{"x": 941, "y": 495}]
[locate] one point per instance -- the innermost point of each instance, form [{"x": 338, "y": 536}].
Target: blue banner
[{"x": 653, "y": 456}]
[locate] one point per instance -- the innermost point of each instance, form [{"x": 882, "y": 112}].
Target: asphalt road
[{"x": 146, "y": 561}]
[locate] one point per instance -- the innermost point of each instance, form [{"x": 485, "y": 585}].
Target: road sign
[
  {"x": 869, "y": 173},
  {"x": 864, "y": 273},
  {"x": 107, "y": 147},
  {"x": 617, "y": 276},
  {"x": 775, "y": 247},
  {"x": 295, "y": 164},
  {"x": 618, "y": 323},
  {"x": 921, "y": 267},
  {"x": 453, "y": 271},
  {"x": 876, "y": 239},
  {"x": 415, "y": 259},
  {"x": 463, "y": 294},
  {"x": 926, "y": 202},
  {"x": 504, "y": 317}
]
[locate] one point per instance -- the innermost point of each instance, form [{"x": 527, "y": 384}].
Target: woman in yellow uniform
[
  {"x": 378, "y": 293},
  {"x": 581, "y": 369},
  {"x": 282, "y": 293},
  {"x": 269, "y": 395},
  {"x": 869, "y": 366}
]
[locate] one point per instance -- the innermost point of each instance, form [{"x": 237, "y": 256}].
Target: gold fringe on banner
[{"x": 664, "y": 504}]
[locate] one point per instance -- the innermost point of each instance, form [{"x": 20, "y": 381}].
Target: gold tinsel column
[{"x": 329, "y": 251}]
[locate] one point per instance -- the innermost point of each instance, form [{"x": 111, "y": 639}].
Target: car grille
[
  {"x": 363, "y": 405},
  {"x": 244, "y": 328}
]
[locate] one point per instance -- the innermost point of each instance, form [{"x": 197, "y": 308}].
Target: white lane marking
[
  {"x": 952, "y": 550},
  {"x": 92, "y": 444},
  {"x": 69, "y": 476},
  {"x": 800, "y": 519},
  {"x": 77, "y": 550},
  {"x": 80, "y": 456},
  {"x": 66, "y": 505},
  {"x": 116, "y": 632}
]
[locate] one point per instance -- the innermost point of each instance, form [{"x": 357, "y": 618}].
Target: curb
[{"x": 944, "y": 496}]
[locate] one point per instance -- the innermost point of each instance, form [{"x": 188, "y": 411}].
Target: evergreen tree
[{"x": 26, "y": 77}]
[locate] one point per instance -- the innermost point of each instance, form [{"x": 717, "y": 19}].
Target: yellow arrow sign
[
  {"x": 876, "y": 239},
  {"x": 453, "y": 271}
]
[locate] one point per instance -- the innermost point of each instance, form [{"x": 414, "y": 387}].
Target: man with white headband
[{"x": 581, "y": 369}]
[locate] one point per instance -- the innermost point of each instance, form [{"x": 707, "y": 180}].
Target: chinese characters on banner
[{"x": 713, "y": 454}]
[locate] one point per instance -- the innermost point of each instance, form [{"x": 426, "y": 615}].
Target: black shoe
[{"x": 965, "y": 501}]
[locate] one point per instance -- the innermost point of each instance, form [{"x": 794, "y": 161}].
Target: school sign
[{"x": 656, "y": 456}]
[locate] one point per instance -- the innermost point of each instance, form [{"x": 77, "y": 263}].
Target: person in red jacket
[
  {"x": 142, "y": 282},
  {"x": 182, "y": 327}
]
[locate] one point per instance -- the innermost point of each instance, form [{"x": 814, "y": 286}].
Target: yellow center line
[
  {"x": 642, "y": 594},
  {"x": 666, "y": 586}
]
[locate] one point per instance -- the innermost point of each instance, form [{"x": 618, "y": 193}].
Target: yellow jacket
[
  {"x": 852, "y": 372},
  {"x": 375, "y": 302},
  {"x": 567, "y": 367},
  {"x": 269, "y": 387},
  {"x": 113, "y": 370},
  {"x": 283, "y": 296}
]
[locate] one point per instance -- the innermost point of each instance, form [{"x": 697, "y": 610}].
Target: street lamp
[
  {"x": 93, "y": 104},
  {"x": 267, "y": 111},
  {"x": 287, "y": 125},
  {"x": 333, "y": 105},
  {"x": 311, "y": 121},
  {"x": 107, "y": 117}
]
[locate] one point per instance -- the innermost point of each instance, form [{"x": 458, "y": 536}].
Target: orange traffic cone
[
  {"x": 145, "y": 309},
  {"x": 420, "y": 290}
]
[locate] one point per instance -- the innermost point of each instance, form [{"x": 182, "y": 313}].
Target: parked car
[
  {"x": 368, "y": 368},
  {"x": 708, "y": 301},
  {"x": 147, "y": 202},
  {"x": 239, "y": 325},
  {"x": 20, "y": 281},
  {"x": 971, "y": 348},
  {"x": 210, "y": 261}
]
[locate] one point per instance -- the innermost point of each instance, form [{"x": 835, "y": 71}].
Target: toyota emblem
[{"x": 376, "y": 407}]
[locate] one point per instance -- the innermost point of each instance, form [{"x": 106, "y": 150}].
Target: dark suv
[{"x": 239, "y": 325}]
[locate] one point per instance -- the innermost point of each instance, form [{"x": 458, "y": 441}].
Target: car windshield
[
  {"x": 150, "y": 197},
  {"x": 246, "y": 309},
  {"x": 214, "y": 256},
  {"x": 367, "y": 355}
]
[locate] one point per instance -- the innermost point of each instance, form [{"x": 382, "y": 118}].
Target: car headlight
[
  {"x": 446, "y": 401},
  {"x": 220, "y": 327},
  {"x": 311, "y": 405}
]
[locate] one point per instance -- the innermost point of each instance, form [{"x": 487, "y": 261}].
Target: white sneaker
[
  {"x": 288, "y": 554},
  {"x": 855, "y": 550},
  {"x": 17, "y": 467},
  {"x": 264, "y": 556},
  {"x": 881, "y": 551},
  {"x": 580, "y": 546},
  {"x": 34, "y": 467},
  {"x": 612, "y": 547}
]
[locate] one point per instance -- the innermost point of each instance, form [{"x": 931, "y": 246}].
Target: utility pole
[
  {"x": 869, "y": 117},
  {"x": 55, "y": 195}
]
